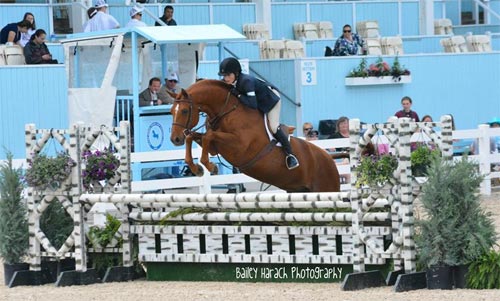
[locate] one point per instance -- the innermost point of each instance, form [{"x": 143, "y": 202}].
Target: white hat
[
  {"x": 173, "y": 76},
  {"x": 135, "y": 10},
  {"x": 100, "y": 3}
]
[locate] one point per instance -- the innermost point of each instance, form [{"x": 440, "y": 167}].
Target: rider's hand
[{"x": 235, "y": 92}]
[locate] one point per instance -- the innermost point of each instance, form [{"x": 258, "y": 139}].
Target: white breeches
[{"x": 274, "y": 115}]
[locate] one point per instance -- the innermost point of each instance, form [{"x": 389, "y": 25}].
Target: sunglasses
[
  {"x": 172, "y": 80},
  {"x": 307, "y": 129},
  {"x": 347, "y": 31}
]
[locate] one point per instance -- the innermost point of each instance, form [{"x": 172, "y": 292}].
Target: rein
[{"x": 214, "y": 122}]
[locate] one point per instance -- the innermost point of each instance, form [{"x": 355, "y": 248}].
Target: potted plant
[
  {"x": 99, "y": 166},
  {"x": 49, "y": 172},
  {"x": 375, "y": 170},
  {"x": 13, "y": 220},
  {"x": 455, "y": 231},
  {"x": 378, "y": 73},
  {"x": 420, "y": 159},
  {"x": 484, "y": 273}
]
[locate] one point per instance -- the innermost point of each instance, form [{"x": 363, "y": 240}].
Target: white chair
[
  {"x": 368, "y": 29},
  {"x": 392, "y": 45},
  {"x": 325, "y": 29},
  {"x": 263, "y": 49},
  {"x": 14, "y": 55},
  {"x": 479, "y": 43},
  {"x": 261, "y": 31},
  {"x": 458, "y": 44},
  {"x": 443, "y": 27},
  {"x": 305, "y": 31},
  {"x": 294, "y": 49},
  {"x": 373, "y": 46},
  {"x": 2, "y": 56},
  {"x": 275, "y": 49}
]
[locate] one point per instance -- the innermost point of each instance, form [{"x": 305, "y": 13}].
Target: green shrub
[
  {"x": 13, "y": 217},
  {"x": 484, "y": 273}
]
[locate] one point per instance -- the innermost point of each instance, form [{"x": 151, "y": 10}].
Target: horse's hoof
[
  {"x": 215, "y": 170},
  {"x": 199, "y": 172}
]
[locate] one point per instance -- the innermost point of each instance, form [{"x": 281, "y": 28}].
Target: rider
[{"x": 258, "y": 94}]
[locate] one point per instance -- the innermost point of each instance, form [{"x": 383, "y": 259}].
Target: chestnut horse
[{"x": 238, "y": 134}]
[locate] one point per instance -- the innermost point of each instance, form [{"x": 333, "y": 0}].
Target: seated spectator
[
  {"x": 348, "y": 43},
  {"x": 102, "y": 20},
  {"x": 152, "y": 95},
  {"x": 406, "y": 102},
  {"x": 168, "y": 16},
  {"x": 136, "y": 17},
  {"x": 36, "y": 52},
  {"x": 342, "y": 131},
  {"x": 25, "y": 36},
  {"x": 312, "y": 135},
  {"x": 306, "y": 128},
  {"x": 171, "y": 86},
  {"x": 427, "y": 118},
  {"x": 11, "y": 33},
  {"x": 494, "y": 141}
]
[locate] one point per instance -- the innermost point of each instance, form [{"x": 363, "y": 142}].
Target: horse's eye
[{"x": 185, "y": 111}]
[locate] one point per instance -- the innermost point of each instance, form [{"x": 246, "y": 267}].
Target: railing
[{"x": 476, "y": 141}]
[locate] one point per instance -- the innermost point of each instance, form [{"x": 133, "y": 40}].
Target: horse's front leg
[
  {"x": 210, "y": 140},
  {"x": 188, "y": 158}
]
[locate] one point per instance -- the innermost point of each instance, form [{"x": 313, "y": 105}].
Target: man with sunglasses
[
  {"x": 348, "y": 43},
  {"x": 136, "y": 17},
  {"x": 170, "y": 85}
]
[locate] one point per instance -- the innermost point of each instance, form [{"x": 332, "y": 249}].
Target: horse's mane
[{"x": 213, "y": 82}]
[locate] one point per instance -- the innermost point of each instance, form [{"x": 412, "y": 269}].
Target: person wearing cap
[
  {"x": 258, "y": 94},
  {"x": 171, "y": 86},
  {"x": 101, "y": 20},
  {"x": 136, "y": 17}
]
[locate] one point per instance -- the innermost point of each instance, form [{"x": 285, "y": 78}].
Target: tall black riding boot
[{"x": 290, "y": 161}]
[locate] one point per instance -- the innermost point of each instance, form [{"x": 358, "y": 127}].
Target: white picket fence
[{"x": 476, "y": 139}]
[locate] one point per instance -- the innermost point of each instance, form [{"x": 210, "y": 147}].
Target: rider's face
[{"x": 229, "y": 78}]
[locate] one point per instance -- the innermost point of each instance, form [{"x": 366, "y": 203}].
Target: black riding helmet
[{"x": 229, "y": 65}]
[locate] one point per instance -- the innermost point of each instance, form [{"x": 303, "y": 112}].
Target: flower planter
[
  {"x": 372, "y": 80},
  {"x": 440, "y": 277}
]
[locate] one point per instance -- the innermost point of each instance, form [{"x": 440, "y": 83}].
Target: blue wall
[{"x": 31, "y": 94}]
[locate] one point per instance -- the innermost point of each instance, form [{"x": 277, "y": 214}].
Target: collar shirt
[
  {"x": 135, "y": 23},
  {"x": 101, "y": 21},
  {"x": 25, "y": 37}
]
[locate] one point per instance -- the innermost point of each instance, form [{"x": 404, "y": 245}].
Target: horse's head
[{"x": 185, "y": 116}]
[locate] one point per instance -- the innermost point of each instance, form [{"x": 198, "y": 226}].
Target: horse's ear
[
  {"x": 172, "y": 94},
  {"x": 184, "y": 93}
]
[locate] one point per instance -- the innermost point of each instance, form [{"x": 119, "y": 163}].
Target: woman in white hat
[{"x": 136, "y": 17}]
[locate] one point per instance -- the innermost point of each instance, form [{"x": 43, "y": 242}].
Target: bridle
[{"x": 212, "y": 123}]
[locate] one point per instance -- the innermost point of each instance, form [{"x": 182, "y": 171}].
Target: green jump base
[{"x": 241, "y": 272}]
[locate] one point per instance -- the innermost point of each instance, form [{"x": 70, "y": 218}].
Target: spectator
[
  {"x": 36, "y": 52},
  {"x": 312, "y": 135},
  {"x": 307, "y": 127},
  {"x": 495, "y": 141},
  {"x": 406, "y": 102},
  {"x": 25, "y": 36},
  {"x": 342, "y": 131},
  {"x": 348, "y": 43},
  {"x": 102, "y": 20},
  {"x": 91, "y": 12},
  {"x": 427, "y": 118},
  {"x": 171, "y": 86},
  {"x": 152, "y": 95},
  {"x": 259, "y": 95},
  {"x": 11, "y": 33},
  {"x": 136, "y": 17},
  {"x": 168, "y": 16}
]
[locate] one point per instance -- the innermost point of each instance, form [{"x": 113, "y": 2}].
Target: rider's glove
[{"x": 235, "y": 92}]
